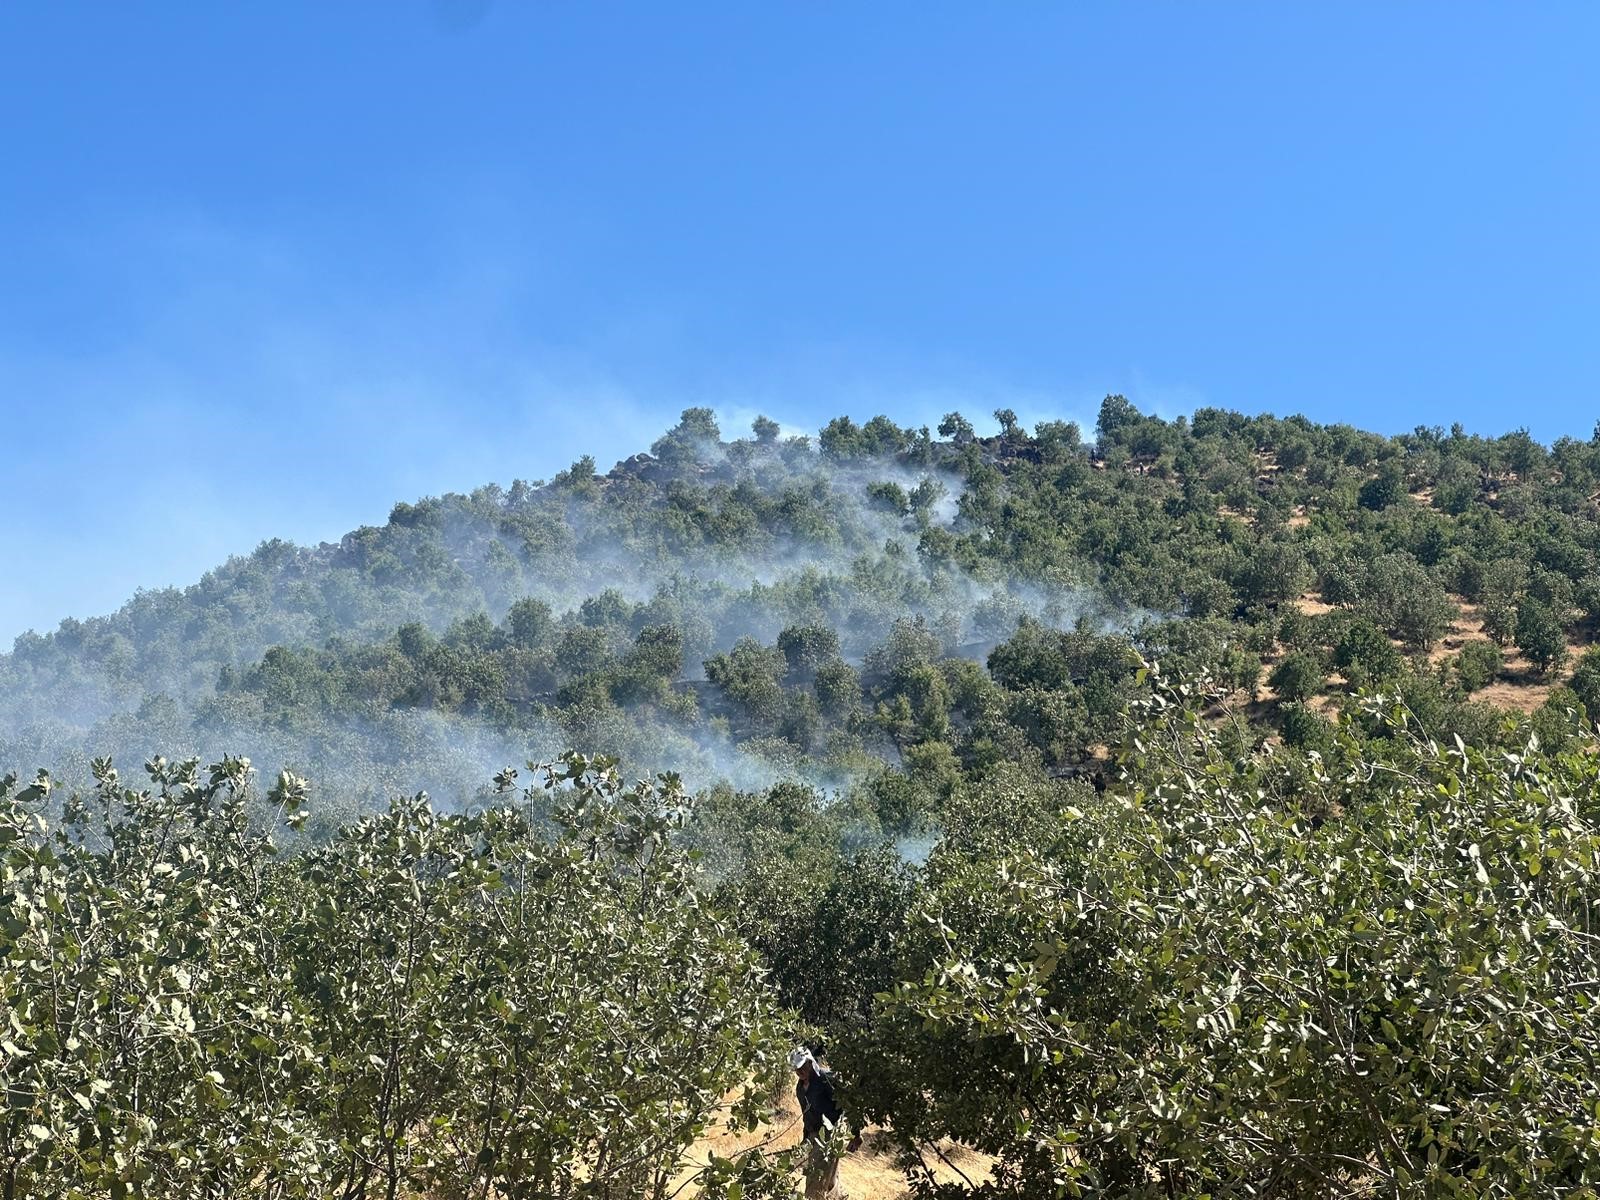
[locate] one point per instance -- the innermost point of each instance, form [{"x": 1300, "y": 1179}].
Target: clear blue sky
[{"x": 266, "y": 268}]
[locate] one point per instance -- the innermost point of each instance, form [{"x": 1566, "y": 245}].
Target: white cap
[{"x": 799, "y": 1057}]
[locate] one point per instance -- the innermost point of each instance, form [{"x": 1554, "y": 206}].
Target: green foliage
[
  {"x": 1117, "y": 418},
  {"x": 1585, "y": 681},
  {"x": 1560, "y": 718},
  {"x": 1200, "y": 986},
  {"x": 514, "y": 615},
  {"x": 1477, "y": 665},
  {"x": 841, "y": 438},
  {"x": 1304, "y": 729},
  {"x": 1539, "y": 635},
  {"x": 1055, "y": 723},
  {"x": 1499, "y": 591},
  {"x": 1298, "y": 677},
  {"x": 529, "y": 623},
  {"x": 749, "y": 676},
  {"x": 1405, "y": 600},
  {"x": 1229, "y": 963},
  {"x": 957, "y": 428},
  {"x": 684, "y": 442},
  {"x": 1364, "y": 655},
  {"x": 441, "y": 1002},
  {"x": 1387, "y": 487},
  {"x": 1274, "y": 571},
  {"x": 827, "y": 925}
]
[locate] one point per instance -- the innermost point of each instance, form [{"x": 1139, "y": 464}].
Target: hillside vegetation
[
  {"x": 1206, "y": 810},
  {"x": 773, "y": 608}
]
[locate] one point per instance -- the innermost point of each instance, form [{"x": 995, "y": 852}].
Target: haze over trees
[
  {"x": 474, "y": 629},
  {"x": 1197, "y": 807}
]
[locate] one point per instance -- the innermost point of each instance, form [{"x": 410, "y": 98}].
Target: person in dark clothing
[{"x": 819, "y": 1116}]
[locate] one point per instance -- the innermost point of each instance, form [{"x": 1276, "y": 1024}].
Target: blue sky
[{"x": 267, "y": 268}]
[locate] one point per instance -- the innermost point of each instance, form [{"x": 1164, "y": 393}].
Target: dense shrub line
[
  {"x": 494, "y": 1003},
  {"x": 1383, "y": 981}
]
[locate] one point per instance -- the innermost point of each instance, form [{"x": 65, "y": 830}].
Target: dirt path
[{"x": 868, "y": 1174}]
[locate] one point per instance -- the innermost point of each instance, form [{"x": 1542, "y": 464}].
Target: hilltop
[{"x": 769, "y": 607}]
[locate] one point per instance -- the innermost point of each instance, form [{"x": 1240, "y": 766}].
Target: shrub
[
  {"x": 1387, "y": 487},
  {"x": 1477, "y": 665},
  {"x": 1406, "y": 601},
  {"x": 1539, "y": 635},
  {"x": 1559, "y": 718},
  {"x": 1304, "y": 728},
  {"x": 423, "y": 987},
  {"x": 1099, "y": 1030},
  {"x": 1585, "y": 681},
  {"x": 1364, "y": 655},
  {"x": 1298, "y": 677}
]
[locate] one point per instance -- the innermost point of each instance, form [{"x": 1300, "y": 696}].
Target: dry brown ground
[
  {"x": 1311, "y": 604},
  {"x": 1518, "y": 687},
  {"x": 868, "y": 1174}
]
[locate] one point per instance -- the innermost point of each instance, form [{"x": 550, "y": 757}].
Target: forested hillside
[
  {"x": 1207, "y": 807},
  {"x": 771, "y": 607}
]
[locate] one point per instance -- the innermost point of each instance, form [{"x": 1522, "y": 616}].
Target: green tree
[
  {"x": 1057, "y": 440},
  {"x": 748, "y": 676},
  {"x": 1305, "y": 729},
  {"x": 1585, "y": 681},
  {"x": 1272, "y": 573},
  {"x": 390, "y": 1013},
  {"x": 806, "y": 648},
  {"x": 1117, "y": 417},
  {"x": 688, "y": 440},
  {"x": 1298, "y": 677},
  {"x": 1560, "y": 719},
  {"x": 1405, "y": 600},
  {"x": 1099, "y": 1030},
  {"x": 1056, "y": 723},
  {"x": 1477, "y": 665},
  {"x": 957, "y": 428},
  {"x": 1364, "y": 655},
  {"x": 1539, "y": 635},
  {"x": 530, "y": 623},
  {"x": 1385, "y": 488}
]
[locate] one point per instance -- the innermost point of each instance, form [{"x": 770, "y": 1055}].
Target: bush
[
  {"x": 1058, "y": 993},
  {"x": 1585, "y": 681},
  {"x": 1559, "y": 718},
  {"x": 1303, "y": 728},
  {"x": 1406, "y": 601},
  {"x": 1364, "y": 655},
  {"x": 1477, "y": 665},
  {"x": 1539, "y": 635},
  {"x": 423, "y": 987},
  {"x": 1298, "y": 677},
  {"x": 1387, "y": 487}
]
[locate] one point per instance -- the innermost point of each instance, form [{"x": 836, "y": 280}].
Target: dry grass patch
[
  {"x": 1519, "y": 687},
  {"x": 1311, "y": 604}
]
